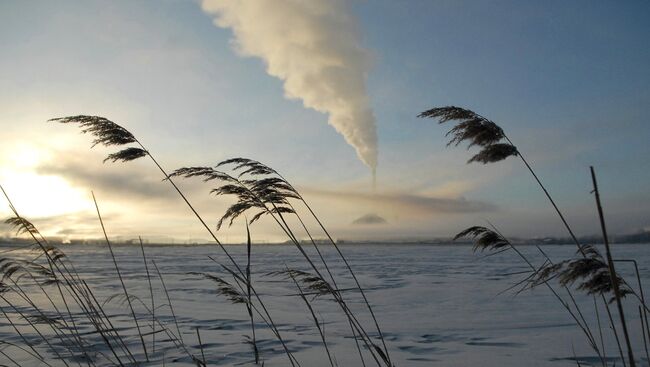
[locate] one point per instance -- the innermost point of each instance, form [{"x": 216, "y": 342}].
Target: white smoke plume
[{"x": 313, "y": 46}]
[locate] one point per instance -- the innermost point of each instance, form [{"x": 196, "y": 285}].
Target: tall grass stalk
[
  {"x": 354, "y": 277},
  {"x": 171, "y": 309},
  {"x": 616, "y": 337},
  {"x": 337, "y": 297},
  {"x": 238, "y": 296},
  {"x": 482, "y": 132},
  {"x": 313, "y": 315},
  {"x": 32, "y": 353},
  {"x": 169, "y": 301},
  {"x": 43, "y": 318},
  {"x": 198, "y": 337},
  {"x": 586, "y": 328},
  {"x": 9, "y": 358},
  {"x": 68, "y": 279},
  {"x": 37, "y": 237},
  {"x": 18, "y": 332},
  {"x": 331, "y": 276},
  {"x": 643, "y": 306},
  {"x": 56, "y": 262},
  {"x": 255, "y": 164},
  {"x": 496, "y": 146},
  {"x": 119, "y": 275},
  {"x": 248, "y": 294},
  {"x": 270, "y": 195},
  {"x": 35, "y": 328},
  {"x": 612, "y": 270},
  {"x": 643, "y": 334},
  {"x": 153, "y": 305},
  {"x": 108, "y": 133},
  {"x": 493, "y": 239},
  {"x": 600, "y": 332}
]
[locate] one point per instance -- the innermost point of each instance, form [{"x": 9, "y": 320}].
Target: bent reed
[
  {"x": 589, "y": 272},
  {"x": 50, "y": 306},
  {"x": 259, "y": 191}
]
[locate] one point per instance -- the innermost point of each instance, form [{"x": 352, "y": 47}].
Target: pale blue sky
[{"x": 568, "y": 81}]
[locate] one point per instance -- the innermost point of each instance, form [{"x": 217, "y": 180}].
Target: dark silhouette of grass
[
  {"x": 312, "y": 283},
  {"x": 268, "y": 195},
  {"x": 198, "y": 337},
  {"x": 152, "y": 298},
  {"x": 256, "y": 352},
  {"x": 73, "y": 346},
  {"x": 169, "y": 301},
  {"x": 62, "y": 275},
  {"x": 263, "y": 193},
  {"x": 596, "y": 274},
  {"x": 614, "y": 279},
  {"x": 479, "y": 131},
  {"x": 119, "y": 275},
  {"x": 108, "y": 133},
  {"x": 486, "y": 239}
]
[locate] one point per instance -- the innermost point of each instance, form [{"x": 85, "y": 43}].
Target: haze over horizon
[{"x": 569, "y": 82}]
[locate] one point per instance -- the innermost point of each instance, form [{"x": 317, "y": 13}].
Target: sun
[{"x": 33, "y": 194}]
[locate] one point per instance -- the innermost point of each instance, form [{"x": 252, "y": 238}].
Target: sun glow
[{"x": 35, "y": 195}]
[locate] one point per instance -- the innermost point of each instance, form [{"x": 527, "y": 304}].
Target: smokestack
[{"x": 314, "y": 48}]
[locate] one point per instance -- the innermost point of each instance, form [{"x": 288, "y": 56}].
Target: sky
[{"x": 326, "y": 92}]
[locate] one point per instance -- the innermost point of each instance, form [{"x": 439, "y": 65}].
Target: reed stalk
[
  {"x": 153, "y": 306},
  {"x": 9, "y": 358},
  {"x": 169, "y": 300},
  {"x": 329, "y": 272},
  {"x": 643, "y": 333},
  {"x": 357, "y": 325},
  {"x": 119, "y": 275},
  {"x": 485, "y": 238},
  {"x": 612, "y": 270},
  {"x": 45, "y": 319},
  {"x": 313, "y": 315},
  {"x": 496, "y": 146},
  {"x": 18, "y": 332},
  {"x": 32, "y": 231},
  {"x": 36, "y": 330},
  {"x": 600, "y": 332},
  {"x": 241, "y": 283},
  {"x": 198, "y": 336},
  {"x": 108, "y": 133},
  {"x": 35, "y": 355},
  {"x": 79, "y": 292},
  {"x": 67, "y": 276},
  {"x": 248, "y": 294},
  {"x": 640, "y": 295},
  {"x": 270, "y": 196}
]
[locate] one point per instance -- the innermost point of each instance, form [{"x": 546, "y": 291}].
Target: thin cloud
[
  {"x": 88, "y": 172},
  {"x": 135, "y": 201},
  {"x": 419, "y": 204},
  {"x": 372, "y": 219}
]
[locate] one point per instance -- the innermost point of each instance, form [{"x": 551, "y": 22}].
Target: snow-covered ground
[{"x": 436, "y": 305}]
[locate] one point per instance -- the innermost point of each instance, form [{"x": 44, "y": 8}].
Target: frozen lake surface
[{"x": 437, "y": 306}]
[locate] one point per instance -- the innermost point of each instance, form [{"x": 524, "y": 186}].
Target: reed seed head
[{"x": 476, "y": 130}]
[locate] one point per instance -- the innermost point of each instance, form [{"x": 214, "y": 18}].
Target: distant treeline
[{"x": 640, "y": 237}]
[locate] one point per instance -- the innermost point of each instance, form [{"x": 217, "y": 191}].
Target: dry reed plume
[
  {"x": 591, "y": 272},
  {"x": 265, "y": 193}
]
